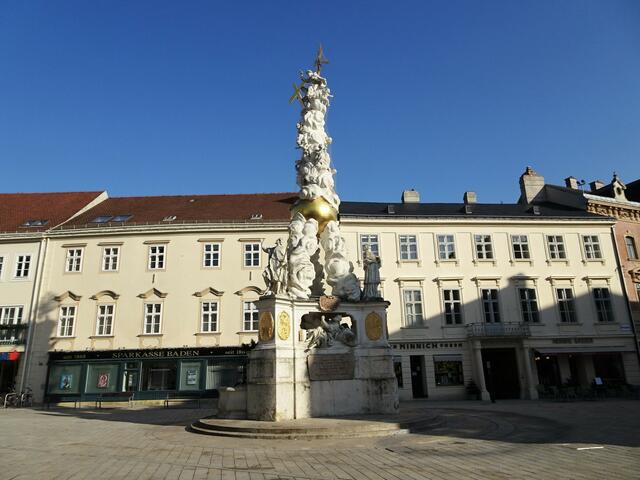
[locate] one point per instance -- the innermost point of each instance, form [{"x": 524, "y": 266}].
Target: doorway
[
  {"x": 501, "y": 372},
  {"x": 418, "y": 383}
]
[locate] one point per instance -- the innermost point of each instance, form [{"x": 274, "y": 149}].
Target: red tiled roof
[
  {"x": 55, "y": 208},
  {"x": 191, "y": 209}
]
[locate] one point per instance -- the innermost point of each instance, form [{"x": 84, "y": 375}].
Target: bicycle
[
  {"x": 26, "y": 397},
  {"x": 11, "y": 399}
]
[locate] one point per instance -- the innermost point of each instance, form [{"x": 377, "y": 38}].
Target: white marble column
[
  {"x": 532, "y": 380},
  {"x": 477, "y": 360}
]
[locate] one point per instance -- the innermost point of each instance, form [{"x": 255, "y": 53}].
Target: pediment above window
[
  {"x": 208, "y": 291},
  {"x": 105, "y": 293},
  {"x": 249, "y": 289},
  {"x": 67, "y": 294},
  {"x": 635, "y": 275},
  {"x": 151, "y": 292}
]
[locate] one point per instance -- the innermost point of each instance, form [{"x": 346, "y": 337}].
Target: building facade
[
  {"x": 24, "y": 220},
  {"x": 147, "y": 295}
]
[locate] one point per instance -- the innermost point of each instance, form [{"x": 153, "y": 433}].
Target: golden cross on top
[{"x": 320, "y": 60}]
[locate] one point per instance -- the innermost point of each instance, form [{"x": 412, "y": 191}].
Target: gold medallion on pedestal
[{"x": 265, "y": 327}]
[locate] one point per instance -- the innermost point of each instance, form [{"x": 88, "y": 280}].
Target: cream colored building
[
  {"x": 141, "y": 296},
  {"x": 24, "y": 220}
]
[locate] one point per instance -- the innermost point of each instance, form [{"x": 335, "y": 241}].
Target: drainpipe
[
  {"x": 626, "y": 294},
  {"x": 34, "y": 308}
]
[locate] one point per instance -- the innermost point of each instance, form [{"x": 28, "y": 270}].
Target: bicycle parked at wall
[{"x": 14, "y": 399}]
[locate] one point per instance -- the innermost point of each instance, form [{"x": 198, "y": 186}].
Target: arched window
[{"x": 632, "y": 252}]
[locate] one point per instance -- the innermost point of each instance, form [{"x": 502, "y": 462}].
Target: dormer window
[
  {"x": 35, "y": 223},
  {"x": 169, "y": 218},
  {"x": 102, "y": 219},
  {"x": 121, "y": 218}
]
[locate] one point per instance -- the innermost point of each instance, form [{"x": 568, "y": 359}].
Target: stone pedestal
[{"x": 286, "y": 382}]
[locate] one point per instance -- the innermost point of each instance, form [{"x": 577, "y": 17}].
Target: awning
[
  {"x": 10, "y": 356},
  {"x": 581, "y": 349}
]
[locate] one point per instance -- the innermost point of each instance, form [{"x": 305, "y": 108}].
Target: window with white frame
[
  {"x": 413, "y": 311},
  {"x": 251, "y": 254},
  {"x": 74, "y": 260},
  {"x": 555, "y": 243},
  {"x": 484, "y": 247},
  {"x": 23, "y": 265},
  {"x": 591, "y": 247},
  {"x": 208, "y": 317},
  {"x": 452, "y": 306},
  {"x": 632, "y": 252},
  {"x": 157, "y": 257},
  {"x": 370, "y": 240},
  {"x": 152, "y": 318},
  {"x": 110, "y": 259},
  {"x": 211, "y": 255},
  {"x": 446, "y": 247},
  {"x": 520, "y": 247},
  {"x": 408, "y": 247},
  {"x": 602, "y": 298},
  {"x": 566, "y": 305},
  {"x": 490, "y": 305},
  {"x": 66, "y": 320},
  {"x": 10, "y": 315},
  {"x": 529, "y": 305},
  {"x": 104, "y": 322},
  {"x": 250, "y": 314}
]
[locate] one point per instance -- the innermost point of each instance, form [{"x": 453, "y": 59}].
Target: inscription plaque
[{"x": 333, "y": 366}]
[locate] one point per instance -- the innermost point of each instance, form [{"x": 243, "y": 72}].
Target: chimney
[
  {"x": 596, "y": 185},
  {"x": 571, "y": 182},
  {"x": 410, "y": 196},
  {"x": 531, "y": 186},
  {"x": 470, "y": 197}
]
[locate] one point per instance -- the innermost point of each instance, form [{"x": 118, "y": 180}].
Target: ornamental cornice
[{"x": 617, "y": 211}]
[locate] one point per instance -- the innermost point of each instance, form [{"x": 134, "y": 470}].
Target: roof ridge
[{"x": 203, "y": 195}]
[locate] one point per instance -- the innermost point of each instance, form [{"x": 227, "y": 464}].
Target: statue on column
[
  {"x": 371, "y": 262},
  {"x": 275, "y": 275}
]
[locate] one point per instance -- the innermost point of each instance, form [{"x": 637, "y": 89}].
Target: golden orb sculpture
[{"x": 317, "y": 208}]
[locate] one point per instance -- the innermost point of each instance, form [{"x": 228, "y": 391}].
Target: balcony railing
[
  {"x": 13, "y": 334},
  {"x": 508, "y": 329}
]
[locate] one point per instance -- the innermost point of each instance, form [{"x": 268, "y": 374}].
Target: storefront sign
[
  {"x": 150, "y": 353},
  {"x": 577, "y": 340},
  {"x": 426, "y": 345}
]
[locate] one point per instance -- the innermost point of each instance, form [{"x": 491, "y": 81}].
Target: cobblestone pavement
[{"x": 472, "y": 440}]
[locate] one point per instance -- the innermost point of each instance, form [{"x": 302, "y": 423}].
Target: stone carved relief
[
  {"x": 302, "y": 245},
  {"x": 323, "y": 331},
  {"x": 338, "y": 268}
]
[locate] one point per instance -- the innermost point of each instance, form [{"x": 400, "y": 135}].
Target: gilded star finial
[{"x": 320, "y": 60}]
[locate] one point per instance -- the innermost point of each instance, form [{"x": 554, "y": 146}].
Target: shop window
[
  {"x": 101, "y": 378},
  {"x": 161, "y": 375},
  {"x": 190, "y": 375},
  {"x": 448, "y": 370},
  {"x": 225, "y": 373},
  {"x": 64, "y": 379}
]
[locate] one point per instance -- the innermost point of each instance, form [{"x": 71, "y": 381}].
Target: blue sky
[{"x": 167, "y": 97}]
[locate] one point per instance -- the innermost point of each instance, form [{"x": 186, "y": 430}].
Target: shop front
[
  {"x": 434, "y": 370},
  {"x": 144, "y": 374},
  {"x": 9, "y": 362}
]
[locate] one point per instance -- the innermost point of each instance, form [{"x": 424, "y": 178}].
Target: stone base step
[{"x": 315, "y": 428}]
